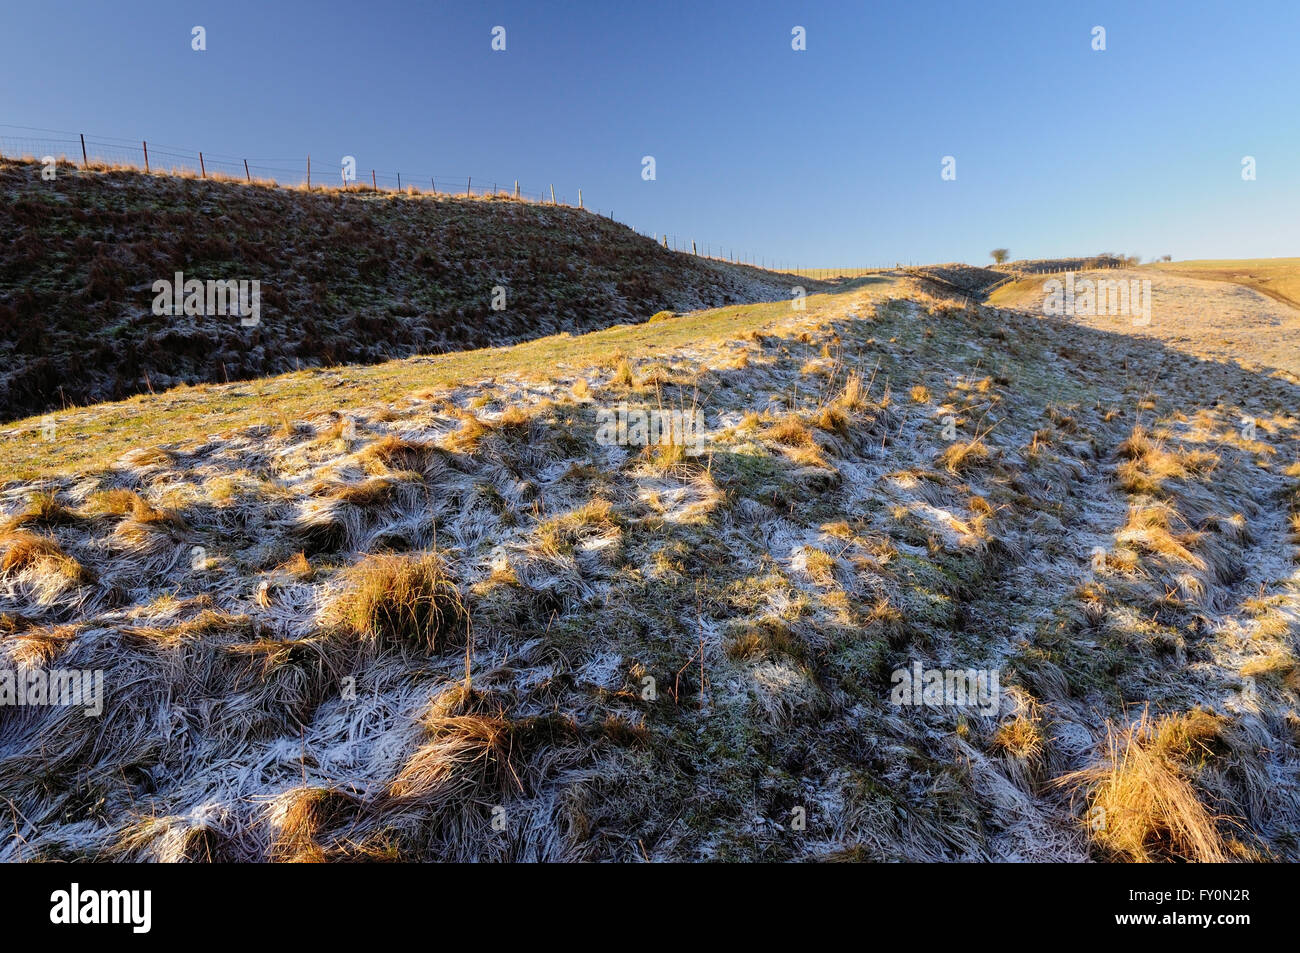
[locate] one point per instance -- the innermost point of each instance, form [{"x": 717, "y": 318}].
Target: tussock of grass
[
  {"x": 1278, "y": 666},
  {"x": 38, "y": 646},
  {"x": 666, "y": 457},
  {"x": 962, "y": 455},
  {"x": 1021, "y": 737},
  {"x": 25, "y": 551},
  {"x": 394, "y": 453},
  {"x": 299, "y": 567},
  {"x": 1143, "y": 807},
  {"x": 146, "y": 526},
  {"x": 300, "y": 816},
  {"x": 1149, "y": 527},
  {"x": 1146, "y": 465},
  {"x": 820, "y": 565},
  {"x": 854, "y": 395},
  {"x": 406, "y": 600},
  {"x": 147, "y": 458},
  {"x": 596, "y": 519},
  {"x": 207, "y": 624},
  {"x": 768, "y": 638},
  {"x": 372, "y": 492},
  {"x": 466, "y": 439},
  {"x": 623, "y": 376},
  {"x": 790, "y": 431},
  {"x": 833, "y": 420},
  {"x": 467, "y": 757},
  {"x": 43, "y": 509},
  {"x": 116, "y": 502}
]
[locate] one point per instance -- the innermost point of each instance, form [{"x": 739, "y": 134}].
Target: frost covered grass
[{"x": 425, "y": 614}]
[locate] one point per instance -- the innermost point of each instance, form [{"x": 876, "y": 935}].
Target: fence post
[
  {"x": 373, "y": 184},
  {"x": 308, "y": 172},
  {"x": 434, "y": 183},
  {"x": 84, "y": 161},
  {"x": 552, "y": 194},
  {"x": 146, "y": 155},
  {"x": 399, "y": 181},
  {"x": 247, "y": 175},
  {"x": 579, "y": 198},
  {"x": 203, "y": 171},
  {"x": 516, "y": 188},
  {"x": 693, "y": 251},
  {"x": 469, "y": 181}
]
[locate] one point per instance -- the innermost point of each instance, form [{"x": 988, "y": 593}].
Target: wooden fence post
[
  {"x": 374, "y": 185},
  {"x": 693, "y": 251},
  {"x": 309, "y": 172},
  {"x": 469, "y": 181},
  {"x": 247, "y": 175},
  {"x": 552, "y": 194},
  {"x": 399, "y": 181},
  {"x": 516, "y": 188},
  {"x": 579, "y": 198},
  {"x": 146, "y": 155},
  {"x": 84, "y": 161},
  {"x": 434, "y": 183},
  {"x": 203, "y": 171}
]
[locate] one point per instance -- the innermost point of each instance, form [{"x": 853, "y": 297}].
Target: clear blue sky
[{"x": 830, "y": 156}]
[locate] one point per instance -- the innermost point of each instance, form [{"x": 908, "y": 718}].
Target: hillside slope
[
  {"x": 432, "y": 615},
  {"x": 1211, "y": 317},
  {"x": 1278, "y": 278},
  {"x": 346, "y": 277}
]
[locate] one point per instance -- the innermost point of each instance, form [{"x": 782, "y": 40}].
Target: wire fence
[
  {"x": 77, "y": 149},
  {"x": 18, "y": 142}
]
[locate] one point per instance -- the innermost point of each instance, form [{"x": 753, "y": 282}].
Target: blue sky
[{"x": 828, "y": 156}]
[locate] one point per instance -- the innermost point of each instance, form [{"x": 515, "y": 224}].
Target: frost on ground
[{"x": 455, "y": 626}]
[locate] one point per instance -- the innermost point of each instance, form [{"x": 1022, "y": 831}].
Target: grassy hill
[
  {"x": 347, "y": 276},
  {"x": 421, "y": 610},
  {"x": 1279, "y": 278},
  {"x": 1206, "y": 312}
]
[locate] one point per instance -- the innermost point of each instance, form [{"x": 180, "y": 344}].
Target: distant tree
[
  {"x": 1000, "y": 255},
  {"x": 1166, "y": 257}
]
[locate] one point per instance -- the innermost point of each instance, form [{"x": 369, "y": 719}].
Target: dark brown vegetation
[{"x": 346, "y": 277}]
